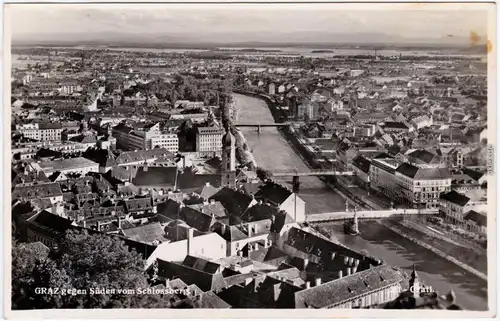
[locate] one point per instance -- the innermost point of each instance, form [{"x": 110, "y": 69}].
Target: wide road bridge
[{"x": 369, "y": 214}]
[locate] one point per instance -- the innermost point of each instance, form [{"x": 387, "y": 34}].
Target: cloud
[{"x": 246, "y": 20}]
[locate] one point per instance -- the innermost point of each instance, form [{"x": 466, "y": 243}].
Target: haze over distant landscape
[{"x": 247, "y": 24}]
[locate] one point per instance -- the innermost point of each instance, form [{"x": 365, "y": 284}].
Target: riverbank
[
  {"x": 310, "y": 159},
  {"x": 423, "y": 240},
  {"x": 273, "y": 152}
]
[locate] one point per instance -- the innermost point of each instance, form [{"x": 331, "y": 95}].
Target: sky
[{"x": 240, "y": 23}]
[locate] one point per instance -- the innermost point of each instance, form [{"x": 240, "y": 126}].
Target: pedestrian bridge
[
  {"x": 317, "y": 172},
  {"x": 376, "y": 214}
]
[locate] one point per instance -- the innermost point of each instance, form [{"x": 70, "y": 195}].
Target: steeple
[
  {"x": 228, "y": 151},
  {"x": 228, "y": 166}
]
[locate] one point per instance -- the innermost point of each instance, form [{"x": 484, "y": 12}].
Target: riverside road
[{"x": 271, "y": 151}]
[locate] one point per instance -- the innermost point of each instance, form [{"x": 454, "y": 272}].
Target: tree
[
  {"x": 83, "y": 261},
  {"x": 24, "y": 260},
  {"x": 263, "y": 175}
]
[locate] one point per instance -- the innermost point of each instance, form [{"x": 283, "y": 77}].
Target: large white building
[
  {"x": 41, "y": 131},
  {"x": 209, "y": 141},
  {"x": 147, "y": 138},
  {"x": 407, "y": 183},
  {"x": 78, "y": 165}
]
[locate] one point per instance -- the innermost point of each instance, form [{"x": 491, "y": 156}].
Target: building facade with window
[
  {"x": 209, "y": 141},
  {"x": 41, "y": 131},
  {"x": 418, "y": 187}
]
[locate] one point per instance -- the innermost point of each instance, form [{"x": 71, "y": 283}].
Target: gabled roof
[
  {"x": 208, "y": 191},
  {"x": 424, "y": 156},
  {"x": 213, "y": 208},
  {"x": 210, "y": 300},
  {"x": 479, "y": 218},
  {"x": 321, "y": 250},
  {"x": 455, "y": 197},
  {"x": 265, "y": 254},
  {"x": 170, "y": 209},
  {"x": 340, "y": 290},
  {"x": 138, "y": 204},
  {"x": 201, "y": 264},
  {"x": 235, "y": 202},
  {"x": 155, "y": 176},
  {"x": 204, "y": 280},
  {"x": 474, "y": 174},
  {"x": 37, "y": 191},
  {"x": 198, "y": 220},
  {"x": 423, "y": 173},
  {"x": 273, "y": 193},
  {"x": 362, "y": 163},
  {"x": 51, "y": 224},
  {"x": 29, "y": 177},
  {"x": 145, "y": 233},
  {"x": 189, "y": 180},
  {"x": 260, "y": 212}
]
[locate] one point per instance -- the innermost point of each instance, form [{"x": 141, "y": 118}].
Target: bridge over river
[
  {"x": 371, "y": 214},
  {"x": 272, "y": 152}
]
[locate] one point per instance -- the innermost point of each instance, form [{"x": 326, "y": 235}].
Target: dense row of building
[{"x": 163, "y": 177}]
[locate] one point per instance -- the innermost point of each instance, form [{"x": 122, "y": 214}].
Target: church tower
[{"x": 228, "y": 167}]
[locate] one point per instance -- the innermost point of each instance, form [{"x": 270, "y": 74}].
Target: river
[
  {"x": 442, "y": 275},
  {"x": 271, "y": 151}
]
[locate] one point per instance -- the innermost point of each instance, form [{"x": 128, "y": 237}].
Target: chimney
[
  {"x": 205, "y": 203},
  {"x": 348, "y": 271},
  {"x": 212, "y": 201},
  {"x": 249, "y": 230},
  {"x": 190, "y": 241},
  {"x": 306, "y": 263},
  {"x": 340, "y": 274},
  {"x": 317, "y": 281},
  {"x": 207, "y": 184},
  {"x": 98, "y": 226},
  {"x": 256, "y": 247},
  {"x": 308, "y": 285},
  {"x": 119, "y": 222}
]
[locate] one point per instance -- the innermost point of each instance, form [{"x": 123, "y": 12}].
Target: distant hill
[{"x": 314, "y": 40}]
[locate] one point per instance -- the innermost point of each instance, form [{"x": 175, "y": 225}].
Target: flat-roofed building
[
  {"x": 78, "y": 165},
  {"x": 41, "y": 131},
  {"x": 209, "y": 141}
]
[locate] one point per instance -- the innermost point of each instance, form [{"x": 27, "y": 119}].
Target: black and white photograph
[{"x": 270, "y": 156}]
